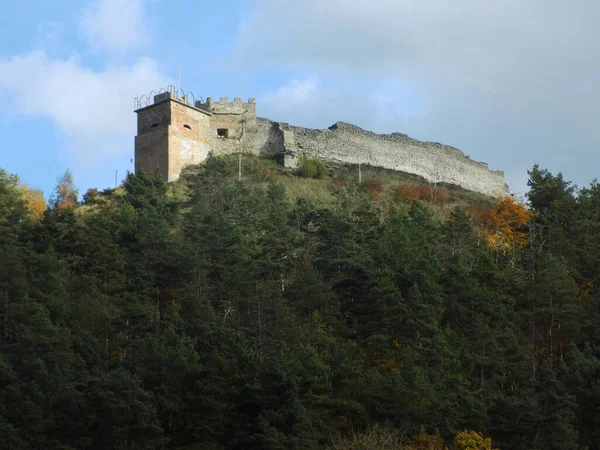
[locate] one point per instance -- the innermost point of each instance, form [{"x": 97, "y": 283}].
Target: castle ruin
[{"x": 174, "y": 132}]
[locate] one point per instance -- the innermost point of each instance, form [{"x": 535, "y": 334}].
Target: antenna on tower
[{"x": 178, "y": 79}]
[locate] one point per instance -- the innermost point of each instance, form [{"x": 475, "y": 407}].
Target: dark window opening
[
  {"x": 223, "y": 132},
  {"x": 187, "y": 126},
  {"x": 154, "y": 125}
]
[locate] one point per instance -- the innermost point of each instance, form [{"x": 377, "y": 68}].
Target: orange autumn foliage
[
  {"x": 430, "y": 194},
  {"x": 65, "y": 204},
  {"x": 503, "y": 227},
  {"x": 267, "y": 174},
  {"x": 481, "y": 213},
  {"x": 337, "y": 183},
  {"x": 375, "y": 188}
]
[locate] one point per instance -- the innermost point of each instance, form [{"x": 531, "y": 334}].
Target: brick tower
[{"x": 171, "y": 134}]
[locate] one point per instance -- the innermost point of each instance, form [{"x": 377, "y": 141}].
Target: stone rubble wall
[
  {"x": 349, "y": 144},
  {"x": 262, "y": 137}
]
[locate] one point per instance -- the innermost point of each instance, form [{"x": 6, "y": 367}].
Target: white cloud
[
  {"x": 305, "y": 102},
  {"x": 316, "y": 103},
  {"x": 115, "y": 24},
  {"x": 298, "y": 91},
  {"x": 296, "y": 94},
  {"x": 93, "y": 109},
  {"x": 509, "y": 82}
]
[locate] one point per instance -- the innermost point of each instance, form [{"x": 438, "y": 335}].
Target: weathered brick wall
[
  {"x": 189, "y": 138},
  {"x": 151, "y": 151},
  {"x": 151, "y": 142},
  {"x": 153, "y": 117},
  {"x": 171, "y": 135}
]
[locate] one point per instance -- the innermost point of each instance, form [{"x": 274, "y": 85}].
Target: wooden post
[
  {"x": 359, "y": 174},
  {"x": 240, "y": 167}
]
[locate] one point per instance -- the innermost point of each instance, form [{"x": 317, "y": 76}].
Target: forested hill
[{"x": 223, "y": 314}]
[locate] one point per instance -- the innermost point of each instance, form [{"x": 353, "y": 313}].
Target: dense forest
[{"x": 223, "y": 314}]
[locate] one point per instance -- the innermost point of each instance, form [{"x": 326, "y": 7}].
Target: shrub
[
  {"x": 91, "y": 196},
  {"x": 471, "y": 440},
  {"x": 267, "y": 174},
  {"x": 374, "y": 188},
  {"x": 481, "y": 213},
  {"x": 378, "y": 438},
  {"x": 425, "y": 441},
  {"x": 425, "y": 193},
  {"x": 311, "y": 167},
  {"x": 338, "y": 183}
]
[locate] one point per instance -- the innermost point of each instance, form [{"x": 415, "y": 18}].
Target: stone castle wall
[
  {"x": 173, "y": 134},
  {"x": 232, "y": 116},
  {"x": 349, "y": 144}
]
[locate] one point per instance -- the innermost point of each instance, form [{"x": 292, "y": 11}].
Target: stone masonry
[{"x": 172, "y": 133}]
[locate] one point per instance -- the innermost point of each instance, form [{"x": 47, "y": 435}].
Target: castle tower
[
  {"x": 228, "y": 122},
  {"x": 171, "y": 134}
]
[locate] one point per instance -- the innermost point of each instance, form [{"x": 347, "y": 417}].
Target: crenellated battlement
[{"x": 224, "y": 106}]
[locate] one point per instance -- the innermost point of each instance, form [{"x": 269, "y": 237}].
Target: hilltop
[
  {"x": 384, "y": 185},
  {"x": 176, "y": 131}
]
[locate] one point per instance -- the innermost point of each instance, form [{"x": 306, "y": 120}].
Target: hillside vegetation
[
  {"x": 384, "y": 185},
  {"x": 284, "y": 312}
]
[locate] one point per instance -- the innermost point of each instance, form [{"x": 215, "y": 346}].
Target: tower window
[
  {"x": 223, "y": 132},
  {"x": 187, "y": 126}
]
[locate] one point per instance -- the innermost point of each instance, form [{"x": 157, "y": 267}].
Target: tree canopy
[{"x": 234, "y": 317}]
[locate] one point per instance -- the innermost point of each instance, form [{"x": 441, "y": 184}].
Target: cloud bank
[
  {"x": 509, "y": 82},
  {"x": 91, "y": 108},
  {"x": 115, "y": 25}
]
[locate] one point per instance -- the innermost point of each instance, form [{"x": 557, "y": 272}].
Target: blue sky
[{"x": 511, "y": 83}]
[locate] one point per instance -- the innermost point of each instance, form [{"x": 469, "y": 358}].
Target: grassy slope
[{"x": 260, "y": 170}]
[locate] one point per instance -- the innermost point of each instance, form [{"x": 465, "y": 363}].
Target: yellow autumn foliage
[
  {"x": 471, "y": 440},
  {"x": 35, "y": 201},
  {"x": 426, "y": 441}
]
